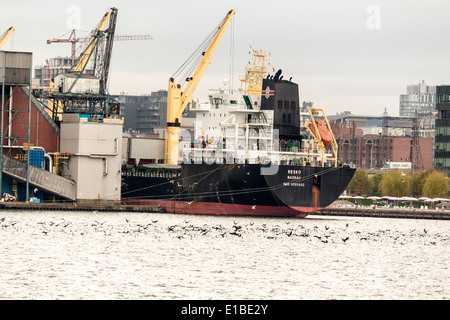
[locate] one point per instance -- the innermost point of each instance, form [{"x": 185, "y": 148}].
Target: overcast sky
[{"x": 354, "y": 55}]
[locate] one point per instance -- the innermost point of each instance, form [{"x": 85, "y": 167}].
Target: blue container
[{"x": 37, "y": 158}]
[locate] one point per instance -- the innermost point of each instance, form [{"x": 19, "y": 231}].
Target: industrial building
[
  {"x": 373, "y": 141},
  {"x": 374, "y": 151},
  {"x": 395, "y": 126},
  {"x": 62, "y": 144}
]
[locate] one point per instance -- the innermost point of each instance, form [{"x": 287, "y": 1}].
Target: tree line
[{"x": 400, "y": 183}]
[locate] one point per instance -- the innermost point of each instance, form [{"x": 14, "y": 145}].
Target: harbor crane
[
  {"x": 6, "y": 35},
  {"x": 76, "y": 91},
  {"x": 177, "y": 100}
]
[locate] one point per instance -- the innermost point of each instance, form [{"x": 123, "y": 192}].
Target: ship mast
[
  {"x": 177, "y": 100},
  {"x": 254, "y": 73}
]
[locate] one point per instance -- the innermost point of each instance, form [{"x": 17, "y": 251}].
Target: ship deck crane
[
  {"x": 6, "y": 35},
  {"x": 177, "y": 100}
]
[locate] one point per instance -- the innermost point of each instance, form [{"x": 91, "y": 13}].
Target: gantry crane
[
  {"x": 5, "y": 36},
  {"x": 98, "y": 33},
  {"x": 65, "y": 95},
  {"x": 177, "y": 100}
]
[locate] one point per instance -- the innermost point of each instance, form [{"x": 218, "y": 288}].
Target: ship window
[
  {"x": 233, "y": 101},
  {"x": 280, "y": 104},
  {"x": 289, "y": 118},
  {"x": 293, "y": 105},
  {"x": 286, "y": 104}
]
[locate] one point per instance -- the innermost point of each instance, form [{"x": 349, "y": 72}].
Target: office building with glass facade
[
  {"x": 442, "y": 138},
  {"x": 419, "y": 98}
]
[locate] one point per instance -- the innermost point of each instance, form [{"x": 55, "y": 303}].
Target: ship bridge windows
[
  {"x": 216, "y": 101},
  {"x": 280, "y": 104}
]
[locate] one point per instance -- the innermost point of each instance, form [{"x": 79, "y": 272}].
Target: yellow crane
[
  {"x": 5, "y": 36},
  {"x": 178, "y": 100},
  {"x": 86, "y": 55}
]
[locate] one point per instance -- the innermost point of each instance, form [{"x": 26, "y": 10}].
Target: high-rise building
[
  {"x": 419, "y": 97},
  {"x": 144, "y": 113},
  {"x": 442, "y": 138},
  {"x": 53, "y": 67}
]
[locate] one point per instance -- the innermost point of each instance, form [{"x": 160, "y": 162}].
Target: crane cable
[{"x": 193, "y": 60}]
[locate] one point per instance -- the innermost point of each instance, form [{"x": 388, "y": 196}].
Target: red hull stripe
[{"x": 224, "y": 209}]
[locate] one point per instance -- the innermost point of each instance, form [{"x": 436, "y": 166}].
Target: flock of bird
[{"x": 184, "y": 229}]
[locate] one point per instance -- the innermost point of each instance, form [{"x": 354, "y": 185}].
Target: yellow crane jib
[
  {"x": 86, "y": 55},
  {"x": 322, "y": 134},
  {"x": 6, "y": 35},
  {"x": 178, "y": 100}
]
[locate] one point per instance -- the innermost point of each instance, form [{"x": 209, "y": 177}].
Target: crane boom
[
  {"x": 109, "y": 45},
  {"x": 86, "y": 55},
  {"x": 177, "y": 100},
  {"x": 5, "y": 36}
]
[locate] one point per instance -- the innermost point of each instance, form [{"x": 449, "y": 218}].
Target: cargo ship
[
  {"x": 258, "y": 164},
  {"x": 247, "y": 155}
]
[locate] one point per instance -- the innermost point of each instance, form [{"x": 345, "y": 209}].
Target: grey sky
[{"x": 340, "y": 62}]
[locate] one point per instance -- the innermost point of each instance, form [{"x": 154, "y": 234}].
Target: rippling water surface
[{"x": 93, "y": 255}]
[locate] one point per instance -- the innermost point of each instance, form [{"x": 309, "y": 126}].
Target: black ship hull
[{"x": 236, "y": 189}]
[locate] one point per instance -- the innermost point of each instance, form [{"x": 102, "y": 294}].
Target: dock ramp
[{"x": 39, "y": 178}]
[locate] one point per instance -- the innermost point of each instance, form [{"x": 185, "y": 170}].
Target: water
[{"x": 96, "y": 255}]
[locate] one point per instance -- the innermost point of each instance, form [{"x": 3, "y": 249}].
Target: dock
[
  {"x": 362, "y": 211},
  {"x": 368, "y": 211},
  {"x": 78, "y": 207}
]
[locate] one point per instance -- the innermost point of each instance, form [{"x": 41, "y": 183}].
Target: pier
[
  {"x": 78, "y": 207},
  {"x": 368, "y": 211},
  {"x": 362, "y": 211}
]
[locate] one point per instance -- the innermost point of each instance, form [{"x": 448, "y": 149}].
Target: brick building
[{"x": 374, "y": 150}]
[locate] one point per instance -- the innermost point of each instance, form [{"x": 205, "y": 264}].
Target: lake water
[{"x": 98, "y": 255}]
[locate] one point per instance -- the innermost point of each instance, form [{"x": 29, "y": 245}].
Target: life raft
[{"x": 325, "y": 134}]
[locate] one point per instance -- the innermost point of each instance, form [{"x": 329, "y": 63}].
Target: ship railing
[{"x": 200, "y": 107}]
